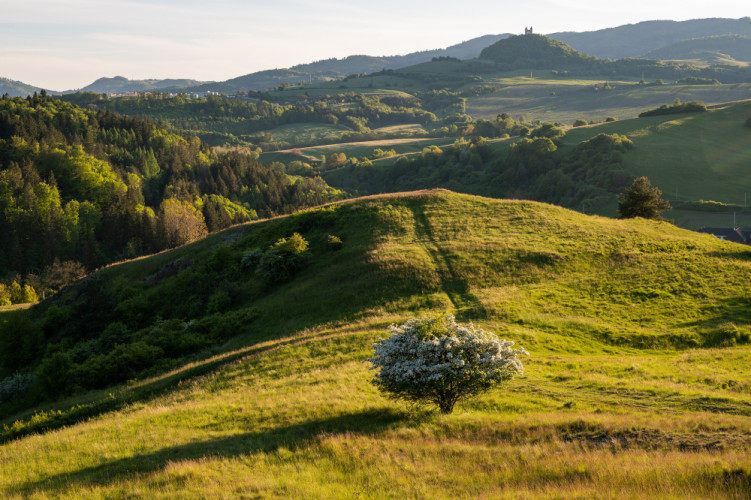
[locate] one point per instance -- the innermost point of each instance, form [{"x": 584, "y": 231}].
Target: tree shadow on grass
[
  {"x": 369, "y": 422},
  {"x": 457, "y": 289}
]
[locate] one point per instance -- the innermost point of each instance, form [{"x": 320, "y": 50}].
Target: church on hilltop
[{"x": 528, "y": 31}]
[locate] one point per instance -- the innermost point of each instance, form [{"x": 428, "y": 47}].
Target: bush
[
  {"x": 250, "y": 258},
  {"x": 284, "y": 258},
  {"x": 611, "y": 119},
  {"x": 335, "y": 242},
  {"x": 16, "y": 385},
  {"x": 436, "y": 361},
  {"x": 580, "y": 123}
]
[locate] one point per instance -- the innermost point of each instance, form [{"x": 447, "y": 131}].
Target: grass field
[
  {"x": 614, "y": 402},
  {"x": 566, "y": 101}
]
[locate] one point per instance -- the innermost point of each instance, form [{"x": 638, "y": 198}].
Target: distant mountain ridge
[
  {"x": 653, "y": 39},
  {"x": 636, "y": 40},
  {"x": 333, "y": 69},
  {"x": 121, "y": 84}
]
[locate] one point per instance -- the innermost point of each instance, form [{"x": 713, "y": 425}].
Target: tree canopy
[{"x": 642, "y": 200}]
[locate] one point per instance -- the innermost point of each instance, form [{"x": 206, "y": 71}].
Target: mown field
[{"x": 637, "y": 384}]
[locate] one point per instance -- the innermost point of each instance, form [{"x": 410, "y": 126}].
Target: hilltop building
[{"x": 528, "y": 31}]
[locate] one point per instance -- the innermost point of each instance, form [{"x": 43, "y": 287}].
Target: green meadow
[{"x": 637, "y": 384}]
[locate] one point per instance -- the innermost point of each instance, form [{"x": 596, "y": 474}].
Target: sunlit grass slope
[{"x": 637, "y": 385}]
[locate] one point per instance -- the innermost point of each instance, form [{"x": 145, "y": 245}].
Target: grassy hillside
[
  {"x": 637, "y": 384},
  {"x": 704, "y": 155}
]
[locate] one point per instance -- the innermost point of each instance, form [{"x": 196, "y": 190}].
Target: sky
[{"x": 67, "y": 44}]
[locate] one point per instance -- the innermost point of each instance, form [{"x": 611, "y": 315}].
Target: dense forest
[{"x": 82, "y": 188}]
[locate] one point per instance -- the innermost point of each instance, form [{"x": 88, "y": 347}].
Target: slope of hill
[
  {"x": 635, "y": 40},
  {"x": 703, "y": 155},
  {"x": 718, "y": 49},
  {"x": 607, "y": 406},
  {"x": 16, "y": 89}
]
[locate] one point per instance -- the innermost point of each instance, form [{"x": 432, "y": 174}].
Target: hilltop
[
  {"x": 615, "y": 314},
  {"x": 534, "y": 51}
]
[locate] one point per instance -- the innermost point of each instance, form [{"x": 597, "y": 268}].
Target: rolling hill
[
  {"x": 535, "y": 52},
  {"x": 637, "y": 383}
]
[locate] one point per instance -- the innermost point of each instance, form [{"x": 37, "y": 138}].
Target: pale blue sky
[{"x": 67, "y": 44}]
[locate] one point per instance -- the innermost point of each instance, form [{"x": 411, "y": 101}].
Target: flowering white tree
[{"x": 439, "y": 361}]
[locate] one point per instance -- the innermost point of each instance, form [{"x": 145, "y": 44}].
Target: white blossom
[{"x": 437, "y": 360}]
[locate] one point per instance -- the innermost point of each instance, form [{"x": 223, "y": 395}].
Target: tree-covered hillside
[
  {"x": 93, "y": 187},
  {"x": 16, "y": 89}
]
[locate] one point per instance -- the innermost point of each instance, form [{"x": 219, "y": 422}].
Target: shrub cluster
[
  {"x": 677, "y": 107},
  {"x": 284, "y": 258}
]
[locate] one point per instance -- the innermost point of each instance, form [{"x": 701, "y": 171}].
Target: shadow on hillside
[
  {"x": 141, "y": 393},
  {"x": 293, "y": 437},
  {"x": 466, "y": 304},
  {"x": 735, "y": 310},
  {"x": 744, "y": 256}
]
